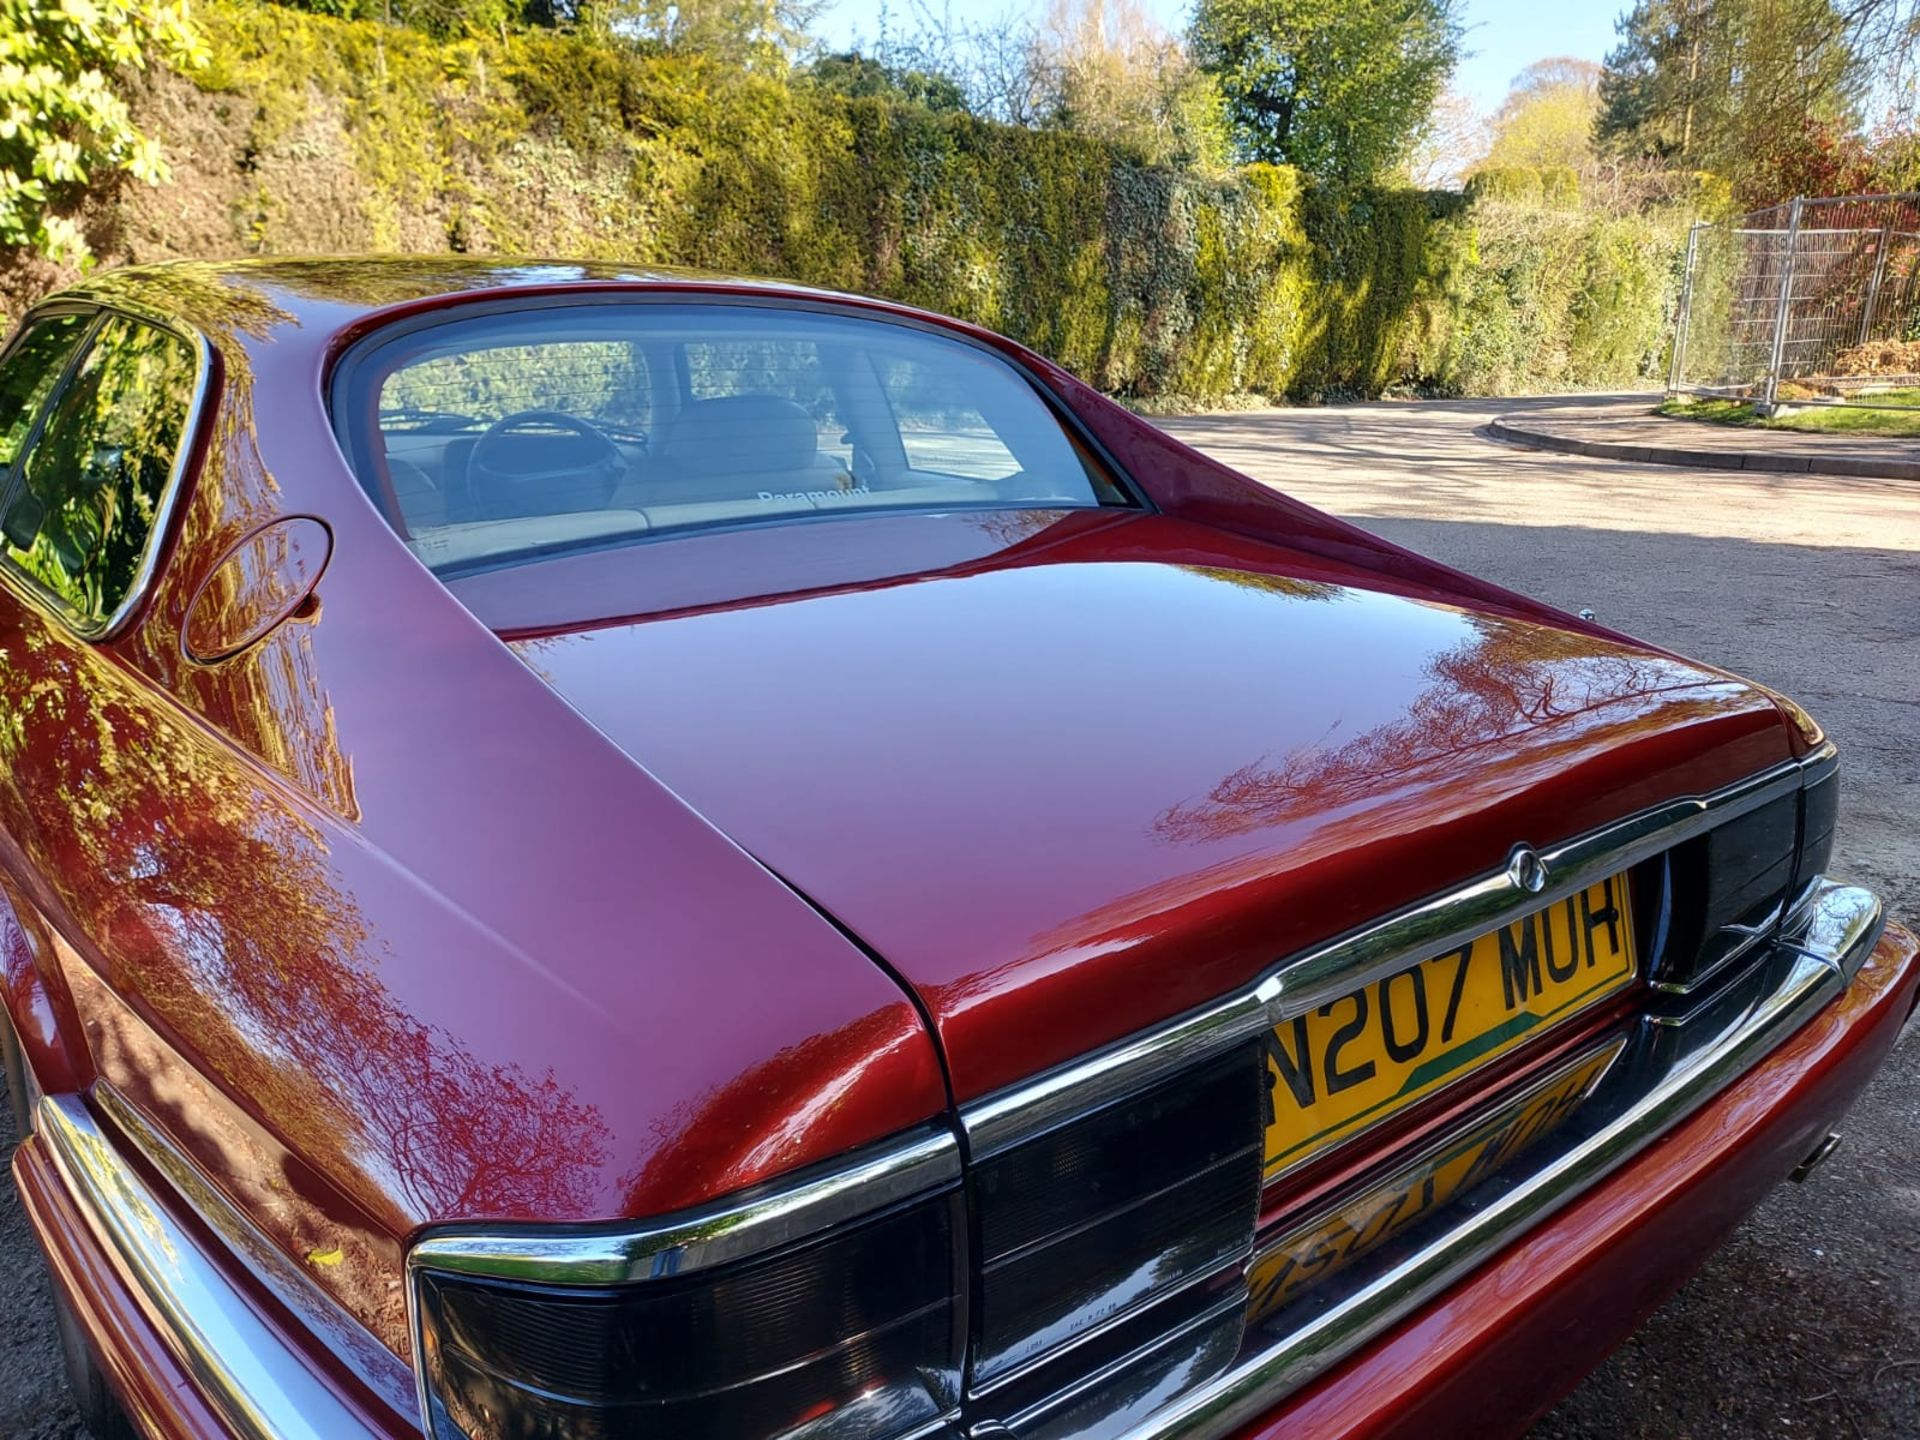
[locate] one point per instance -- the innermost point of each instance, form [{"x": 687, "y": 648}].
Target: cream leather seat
[{"x": 734, "y": 447}]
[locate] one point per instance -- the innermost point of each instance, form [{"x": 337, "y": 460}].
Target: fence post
[
  {"x": 1772, "y": 391},
  {"x": 1873, "y": 285},
  {"x": 1676, "y": 370}
]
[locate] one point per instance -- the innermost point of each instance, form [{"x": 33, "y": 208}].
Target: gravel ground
[{"x": 1808, "y": 1322}]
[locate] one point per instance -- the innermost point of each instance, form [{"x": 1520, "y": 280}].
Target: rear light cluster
[
  {"x": 1732, "y": 886},
  {"x": 859, "y": 1334},
  {"x": 1819, "y": 814},
  {"x": 1113, "y": 1245},
  {"x": 1126, "y": 1226}
]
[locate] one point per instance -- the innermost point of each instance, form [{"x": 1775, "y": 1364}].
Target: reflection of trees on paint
[
  {"x": 1507, "y": 678},
  {"x": 1290, "y": 586},
  {"x": 1012, "y": 527},
  {"x": 226, "y": 309},
  {"x": 752, "y": 1125},
  {"x": 271, "y": 698},
  {"x": 223, "y": 915},
  {"x": 377, "y": 280}
]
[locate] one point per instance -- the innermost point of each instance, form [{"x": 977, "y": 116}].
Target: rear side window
[
  {"x": 28, "y": 376},
  {"x": 82, "y": 507},
  {"x": 507, "y": 436}
]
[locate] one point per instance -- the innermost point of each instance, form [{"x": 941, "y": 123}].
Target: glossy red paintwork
[
  {"x": 258, "y": 585},
  {"x": 383, "y": 921},
  {"x": 1162, "y": 759}
]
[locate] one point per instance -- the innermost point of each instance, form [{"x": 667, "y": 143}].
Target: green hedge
[{"x": 1153, "y": 283}]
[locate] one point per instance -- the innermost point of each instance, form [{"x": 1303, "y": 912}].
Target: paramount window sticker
[{"x": 774, "y": 497}]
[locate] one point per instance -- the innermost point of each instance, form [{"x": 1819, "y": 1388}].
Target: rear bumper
[
  {"x": 1477, "y": 1331},
  {"x": 1496, "y": 1350},
  {"x": 191, "y": 1353}
]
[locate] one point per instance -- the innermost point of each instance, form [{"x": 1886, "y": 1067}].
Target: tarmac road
[{"x": 1808, "y": 1323}]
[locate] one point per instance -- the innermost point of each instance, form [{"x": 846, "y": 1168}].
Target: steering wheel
[{"x": 520, "y": 467}]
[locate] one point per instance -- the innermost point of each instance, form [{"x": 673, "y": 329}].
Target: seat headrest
[{"x": 741, "y": 435}]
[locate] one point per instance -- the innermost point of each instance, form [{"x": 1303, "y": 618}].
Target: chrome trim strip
[
  {"x": 358, "y": 1350},
  {"x": 1051, "y": 1405},
  {"x": 1734, "y": 1033},
  {"x": 731, "y": 1229},
  {"x": 238, "y": 1363},
  {"x": 1300, "y": 983},
  {"x": 1833, "y": 925},
  {"x": 1820, "y": 763}
]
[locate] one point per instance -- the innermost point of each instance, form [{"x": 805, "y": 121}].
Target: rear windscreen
[{"x": 509, "y": 435}]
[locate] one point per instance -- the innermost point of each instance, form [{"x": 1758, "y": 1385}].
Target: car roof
[{"x": 309, "y": 302}]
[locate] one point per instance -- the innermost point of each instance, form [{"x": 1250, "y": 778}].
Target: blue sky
[{"x": 1503, "y": 36}]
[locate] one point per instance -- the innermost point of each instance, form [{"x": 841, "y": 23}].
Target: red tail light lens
[{"x": 858, "y": 1333}]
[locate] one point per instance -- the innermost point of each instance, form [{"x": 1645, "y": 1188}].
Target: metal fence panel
[{"x": 1812, "y": 303}]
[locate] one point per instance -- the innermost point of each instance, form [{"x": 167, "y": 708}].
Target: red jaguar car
[{"x": 646, "y": 856}]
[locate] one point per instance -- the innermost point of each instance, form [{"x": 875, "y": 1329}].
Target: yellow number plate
[
  {"x": 1347, "y": 1065},
  {"x": 1327, "y": 1243}
]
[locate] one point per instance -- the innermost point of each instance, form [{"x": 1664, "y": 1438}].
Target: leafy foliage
[
  {"x": 760, "y": 33},
  {"x": 1103, "y": 68},
  {"x": 62, "y": 123},
  {"x": 1548, "y": 116},
  {"x": 445, "y": 19},
  {"x": 92, "y": 483},
  {"x": 1108, "y": 70},
  {"x": 862, "y": 77},
  {"x": 1164, "y": 284},
  {"x": 1339, "y": 88},
  {"x": 1768, "y": 93}
]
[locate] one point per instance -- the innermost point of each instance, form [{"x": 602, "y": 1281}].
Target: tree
[
  {"x": 1548, "y": 116},
  {"x": 996, "y": 65},
  {"x": 1896, "y": 158},
  {"x": 851, "y": 73},
  {"x": 1451, "y": 143},
  {"x": 62, "y": 122},
  {"x": 740, "y": 32},
  {"x": 1100, "y": 67},
  {"x": 1110, "y": 70},
  {"x": 1885, "y": 35},
  {"x": 1339, "y": 88},
  {"x": 1738, "y": 87},
  {"x": 1814, "y": 158}
]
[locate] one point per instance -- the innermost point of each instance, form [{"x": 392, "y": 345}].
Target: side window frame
[
  {"x": 186, "y": 455},
  {"x": 51, "y": 311}
]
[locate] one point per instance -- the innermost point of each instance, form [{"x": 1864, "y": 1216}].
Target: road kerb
[{"x": 1691, "y": 457}]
